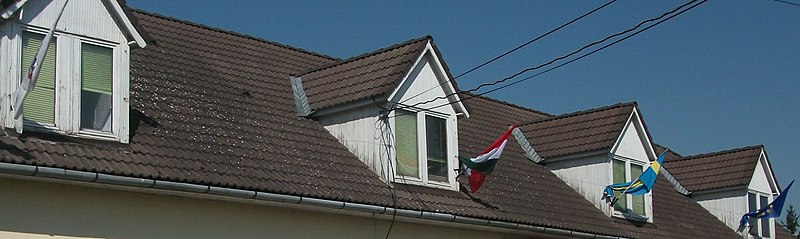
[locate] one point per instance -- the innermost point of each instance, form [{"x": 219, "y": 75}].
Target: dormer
[
  {"x": 82, "y": 90},
  {"x": 394, "y": 108},
  {"x": 594, "y": 148},
  {"x": 730, "y": 183}
]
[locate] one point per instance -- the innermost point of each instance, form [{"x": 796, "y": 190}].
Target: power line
[
  {"x": 787, "y": 2},
  {"x": 678, "y": 10},
  {"x": 535, "y": 39},
  {"x": 515, "y": 49}
]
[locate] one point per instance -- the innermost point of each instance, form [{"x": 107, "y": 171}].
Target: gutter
[{"x": 81, "y": 176}]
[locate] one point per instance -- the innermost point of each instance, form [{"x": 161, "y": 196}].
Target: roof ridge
[
  {"x": 368, "y": 54},
  {"x": 509, "y": 104},
  {"x": 668, "y": 148},
  {"x": 721, "y": 152},
  {"x": 301, "y": 50},
  {"x": 583, "y": 112}
]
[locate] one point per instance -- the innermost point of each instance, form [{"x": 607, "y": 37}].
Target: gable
[
  {"x": 633, "y": 142},
  {"x": 427, "y": 86},
  {"x": 762, "y": 180},
  {"x": 109, "y": 24}
]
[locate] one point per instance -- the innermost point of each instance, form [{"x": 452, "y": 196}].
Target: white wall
[
  {"x": 588, "y": 175},
  {"x": 761, "y": 180},
  {"x": 81, "y": 17},
  {"x": 49, "y": 210},
  {"x": 728, "y": 206},
  {"x": 630, "y": 145},
  {"x": 360, "y": 130}
]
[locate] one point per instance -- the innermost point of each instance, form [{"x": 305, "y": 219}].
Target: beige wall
[{"x": 52, "y": 210}]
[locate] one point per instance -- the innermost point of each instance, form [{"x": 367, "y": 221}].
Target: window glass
[
  {"x": 764, "y": 221},
  {"x": 96, "y": 87},
  {"x": 619, "y": 177},
  {"x": 407, "y": 149},
  {"x": 436, "y": 142},
  {"x": 39, "y": 105},
  {"x": 637, "y": 200},
  {"x": 752, "y": 201}
]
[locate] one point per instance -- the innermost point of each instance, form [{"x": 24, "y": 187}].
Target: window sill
[
  {"x": 84, "y": 134},
  {"x": 630, "y": 216},
  {"x": 419, "y": 182}
]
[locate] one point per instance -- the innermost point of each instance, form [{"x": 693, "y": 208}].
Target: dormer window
[
  {"x": 74, "y": 93},
  {"x": 422, "y": 152},
  {"x": 626, "y": 170},
  {"x": 82, "y": 89}
]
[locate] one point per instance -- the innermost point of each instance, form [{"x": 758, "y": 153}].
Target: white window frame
[
  {"x": 422, "y": 151},
  {"x": 629, "y": 214},
  {"x": 770, "y": 222},
  {"x": 68, "y": 85}
]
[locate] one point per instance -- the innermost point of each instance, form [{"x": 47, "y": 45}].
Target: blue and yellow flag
[{"x": 643, "y": 184}]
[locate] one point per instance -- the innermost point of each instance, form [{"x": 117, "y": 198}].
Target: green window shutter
[
  {"x": 96, "y": 87},
  {"x": 637, "y": 200},
  {"x": 406, "y": 145},
  {"x": 39, "y": 105},
  {"x": 436, "y": 144},
  {"x": 96, "y": 68},
  {"x": 618, "y": 168}
]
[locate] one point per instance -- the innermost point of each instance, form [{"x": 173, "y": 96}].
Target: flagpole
[
  {"x": 33, "y": 73},
  {"x": 630, "y": 185}
]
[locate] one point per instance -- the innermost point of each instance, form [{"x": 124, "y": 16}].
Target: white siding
[
  {"x": 728, "y": 206},
  {"x": 360, "y": 131},
  {"x": 50, "y": 210},
  {"x": 761, "y": 178},
  {"x": 423, "y": 84},
  {"x": 630, "y": 145},
  {"x": 81, "y": 17},
  {"x": 587, "y": 175}
]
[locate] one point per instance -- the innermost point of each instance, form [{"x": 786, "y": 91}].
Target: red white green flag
[{"x": 478, "y": 167}]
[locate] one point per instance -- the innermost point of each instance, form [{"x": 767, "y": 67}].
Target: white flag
[{"x": 29, "y": 81}]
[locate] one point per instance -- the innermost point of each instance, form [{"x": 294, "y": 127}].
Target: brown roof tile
[
  {"x": 578, "y": 132},
  {"x": 373, "y": 74},
  {"x": 729, "y": 168}
]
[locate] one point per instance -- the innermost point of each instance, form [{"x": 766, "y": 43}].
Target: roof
[
  {"x": 578, "y": 132},
  {"x": 373, "y": 74},
  {"x": 723, "y": 169},
  {"x": 215, "y": 108},
  {"x": 544, "y": 196},
  {"x": 782, "y": 233}
]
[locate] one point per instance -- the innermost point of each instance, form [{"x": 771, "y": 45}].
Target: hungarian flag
[{"x": 478, "y": 167}]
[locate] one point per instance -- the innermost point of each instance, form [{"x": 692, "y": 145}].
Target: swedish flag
[{"x": 643, "y": 184}]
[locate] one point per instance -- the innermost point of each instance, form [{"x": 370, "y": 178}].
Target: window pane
[
  {"x": 406, "y": 147},
  {"x": 752, "y": 206},
  {"x": 436, "y": 141},
  {"x": 764, "y": 221},
  {"x": 618, "y": 169},
  {"x": 637, "y": 200},
  {"x": 96, "y": 87},
  {"x": 39, "y": 105}
]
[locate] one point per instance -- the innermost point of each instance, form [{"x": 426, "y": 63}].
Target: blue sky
[{"x": 723, "y": 75}]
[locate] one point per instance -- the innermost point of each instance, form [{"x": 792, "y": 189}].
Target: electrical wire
[
  {"x": 515, "y": 49},
  {"x": 787, "y": 2},
  {"x": 678, "y": 10},
  {"x": 553, "y": 60}
]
